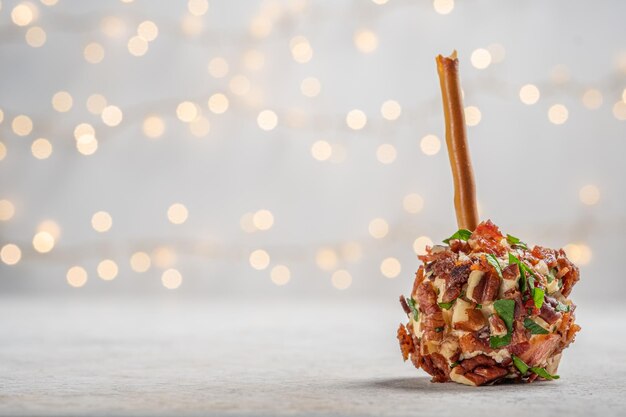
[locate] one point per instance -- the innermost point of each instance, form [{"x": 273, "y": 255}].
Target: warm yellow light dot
[
  {"x": 341, "y": 279},
  {"x": 386, "y": 153},
  {"x": 589, "y": 195},
  {"x": 578, "y": 253},
  {"x": 430, "y": 145},
  {"x": 267, "y": 120},
  {"x": 177, "y": 213},
  {"x": 101, "y": 221},
  {"x": 497, "y": 51},
  {"x": 239, "y": 85},
  {"x": 481, "y": 58},
  {"x": 148, "y": 30},
  {"x": 10, "y": 254},
  {"x": 378, "y": 228},
  {"x": 247, "y": 223},
  {"x": 76, "y": 276},
  {"x": 301, "y": 50},
  {"x": 1, "y": 116},
  {"x": 137, "y": 46},
  {"x": 41, "y": 148},
  {"x": 200, "y": 127},
  {"x": 83, "y": 129},
  {"x": 592, "y": 99},
  {"x": 51, "y": 227},
  {"x": 365, "y": 41},
  {"x": 140, "y": 262},
  {"x": 192, "y": 25},
  {"x": 218, "y": 67},
  {"x": 7, "y": 210},
  {"x": 43, "y": 242},
  {"x": 107, "y": 270},
  {"x": 623, "y": 99},
  {"x": 171, "y": 279},
  {"x": 413, "y": 203},
  {"x": 321, "y": 150},
  {"x": 218, "y": 103},
  {"x": 259, "y": 259},
  {"x": 163, "y": 257},
  {"x": 49, "y": 2},
  {"x": 391, "y": 110},
  {"x": 260, "y": 26},
  {"x": 112, "y": 115},
  {"x": 93, "y": 53},
  {"x": 558, "y": 114},
  {"x": 22, "y": 125},
  {"x": 153, "y": 127},
  {"x": 87, "y": 145},
  {"x": 390, "y": 267},
  {"x": 326, "y": 259},
  {"x": 113, "y": 26},
  {"x": 35, "y": 37},
  {"x": 96, "y": 103},
  {"x": 356, "y": 119},
  {"x": 280, "y": 275},
  {"x": 529, "y": 94},
  {"x": 62, "y": 101},
  {"x": 419, "y": 245},
  {"x": 443, "y": 6},
  {"x": 187, "y": 111},
  {"x": 472, "y": 115},
  {"x": 619, "y": 110},
  {"x": 263, "y": 219},
  {"x": 380, "y": 2},
  {"x": 253, "y": 60},
  {"x": 198, "y": 7},
  {"x": 3, "y": 151},
  {"x": 310, "y": 87},
  {"x": 23, "y": 14}
]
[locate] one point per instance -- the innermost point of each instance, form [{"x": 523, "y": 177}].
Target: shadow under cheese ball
[{"x": 486, "y": 309}]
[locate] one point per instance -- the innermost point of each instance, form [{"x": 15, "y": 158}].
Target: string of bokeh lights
[{"x": 241, "y": 95}]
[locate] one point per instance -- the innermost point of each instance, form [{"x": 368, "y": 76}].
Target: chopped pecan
[
  {"x": 511, "y": 272},
  {"x": 486, "y": 287},
  {"x": 478, "y": 370},
  {"x": 548, "y": 311},
  {"x": 470, "y": 343},
  {"x": 457, "y": 278},
  {"x": 570, "y": 277},
  {"x": 404, "y": 305},
  {"x": 497, "y": 326},
  {"x": 437, "y": 366},
  {"x": 406, "y": 343},
  {"x": 419, "y": 278},
  {"x": 475, "y": 321},
  {"x": 541, "y": 347},
  {"x": 432, "y": 319}
]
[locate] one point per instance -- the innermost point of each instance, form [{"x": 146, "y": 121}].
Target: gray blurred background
[{"x": 265, "y": 151}]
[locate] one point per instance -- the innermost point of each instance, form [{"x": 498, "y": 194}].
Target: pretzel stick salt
[{"x": 456, "y": 140}]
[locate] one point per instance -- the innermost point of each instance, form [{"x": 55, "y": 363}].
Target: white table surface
[{"x": 178, "y": 357}]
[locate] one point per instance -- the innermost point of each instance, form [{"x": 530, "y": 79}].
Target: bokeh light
[
  {"x": 171, "y": 279},
  {"x": 378, "y": 228},
  {"x": 267, "y": 120},
  {"x": 7, "y": 210},
  {"x": 263, "y": 219},
  {"x": 76, "y": 276},
  {"x": 443, "y": 6},
  {"x": 413, "y": 203},
  {"x": 365, "y": 41},
  {"x": 472, "y": 115},
  {"x": 101, "y": 221},
  {"x": 280, "y": 275},
  {"x": 43, "y": 242},
  {"x": 558, "y": 114},
  {"x": 140, "y": 262},
  {"x": 386, "y": 153},
  {"x": 107, "y": 269},
  {"x": 177, "y": 213},
  {"x": 430, "y": 145},
  {"x": 419, "y": 245},
  {"x": 390, "y": 267},
  {"x": 41, "y": 148},
  {"x": 391, "y": 110},
  {"x": 481, "y": 58},
  {"x": 529, "y": 94},
  {"x": 341, "y": 279},
  {"x": 356, "y": 119},
  {"x": 589, "y": 195},
  {"x": 259, "y": 259},
  {"x": 10, "y": 254}
]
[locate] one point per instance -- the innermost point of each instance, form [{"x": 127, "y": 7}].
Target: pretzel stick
[{"x": 456, "y": 140}]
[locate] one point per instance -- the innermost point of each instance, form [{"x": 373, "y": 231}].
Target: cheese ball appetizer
[{"x": 487, "y": 309}]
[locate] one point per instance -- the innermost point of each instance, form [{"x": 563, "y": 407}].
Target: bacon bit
[
  {"x": 530, "y": 304},
  {"x": 406, "y": 343},
  {"x": 481, "y": 369},
  {"x": 404, "y": 305},
  {"x": 548, "y": 255},
  {"x": 487, "y": 238},
  {"x": 511, "y": 272},
  {"x": 459, "y": 246},
  {"x": 419, "y": 278},
  {"x": 429, "y": 364},
  {"x": 570, "y": 277},
  {"x": 548, "y": 311},
  {"x": 541, "y": 347}
]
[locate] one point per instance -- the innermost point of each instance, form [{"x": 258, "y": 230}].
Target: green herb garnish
[
  {"x": 562, "y": 307},
  {"x": 551, "y": 276},
  {"x": 461, "y": 234},
  {"x": 543, "y": 373},
  {"x": 438, "y": 329},
  {"x": 538, "y": 294},
  {"x": 523, "y": 270},
  {"x": 446, "y": 306},
  {"x": 514, "y": 241},
  {"x": 520, "y": 364},
  {"x": 493, "y": 261},
  {"x": 411, "y": 302},
  {"x": 534, "y": 327},
  {"x": 499, "y": 341},
  {"x": 506, "y": 310},
  {"x": 454, "y": 364}
]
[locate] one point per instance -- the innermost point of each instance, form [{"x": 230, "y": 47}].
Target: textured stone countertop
[{"x": 178, "y": 357}]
